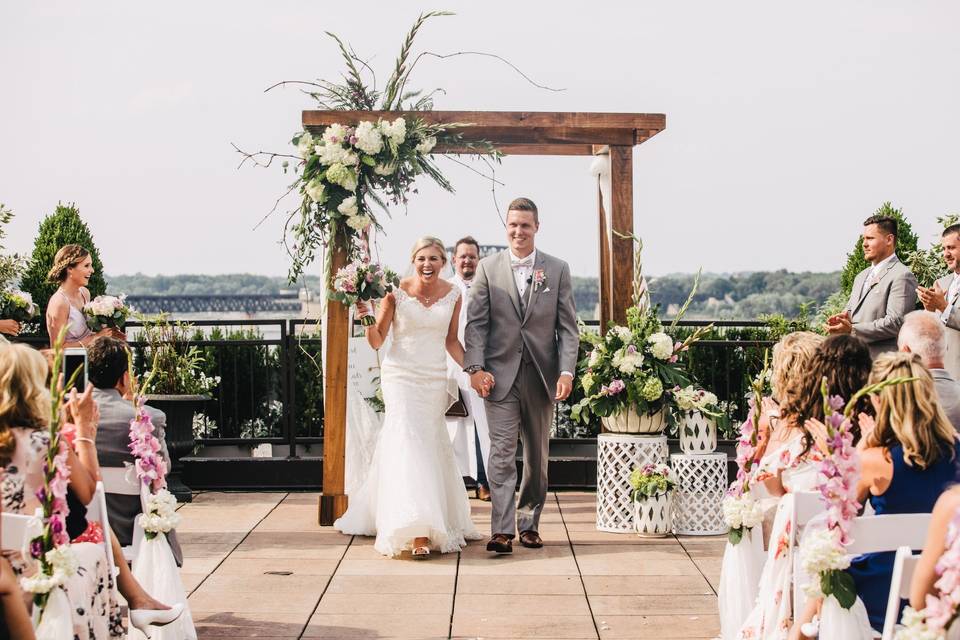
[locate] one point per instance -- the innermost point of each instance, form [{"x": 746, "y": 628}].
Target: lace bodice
[{"x": 420, "y": 333}]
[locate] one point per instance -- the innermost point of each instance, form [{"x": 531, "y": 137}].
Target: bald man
[{"x": 922, "y": 333}]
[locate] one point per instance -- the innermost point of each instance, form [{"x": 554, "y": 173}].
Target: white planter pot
[
  {"x": 630, "y": 422},
  {"x": 652, "y": 517},
  {"x": 698, "y": 433}
]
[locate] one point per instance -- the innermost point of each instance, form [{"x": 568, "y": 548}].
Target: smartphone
[{"x": 73, "y": 360}]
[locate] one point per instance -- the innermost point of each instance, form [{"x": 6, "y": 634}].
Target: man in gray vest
[
  {"x": 882, "y": 294},
  {"x": 943, "y": 296},
  {"x": 521, "y": 352},
  {"x": 107, "y": 370},
  {"x": 922, "y": 333}
]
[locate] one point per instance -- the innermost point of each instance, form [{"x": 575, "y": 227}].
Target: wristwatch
[{"x": 472, "y": 369}]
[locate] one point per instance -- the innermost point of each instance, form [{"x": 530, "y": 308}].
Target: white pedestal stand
[
  {"x": 617, "y": 456},
  {"x": 702, "y": 481}
]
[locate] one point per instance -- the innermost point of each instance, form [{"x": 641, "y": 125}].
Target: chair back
[
  {"x": 97, "y": 510},
  {"x": 807, "y": 505},
  {"x": 904, "y": 565},
  {"x": 120, "y": 480},
  {"x": 889, "y": 532},
  {"x": 13, "y": 534}
]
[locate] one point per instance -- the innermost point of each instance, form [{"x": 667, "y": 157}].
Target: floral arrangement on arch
[
  {"x": 635, "y": 366},
  {"x": 344, "y": 171}
]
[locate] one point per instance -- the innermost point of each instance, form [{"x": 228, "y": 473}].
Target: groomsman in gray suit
[
  {"x": 942, "y": 297},
  {"x": 922, "y": 333},
  {"x": 882, "y": 294},
  {"x": 107, "y": 371},
  {"x": 521, "y": 352}
]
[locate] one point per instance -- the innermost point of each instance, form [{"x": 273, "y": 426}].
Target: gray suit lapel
[
  {"x": 883, "y": 274},
  {"x": 506, "y": 271},
  {"x": 534, "y": 292}
]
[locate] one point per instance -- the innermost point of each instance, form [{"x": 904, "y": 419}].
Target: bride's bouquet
[
  {"x": 363, "y": 281},
  {"x": 106, "y": 311},
  {"x": 17, "y": 305}
]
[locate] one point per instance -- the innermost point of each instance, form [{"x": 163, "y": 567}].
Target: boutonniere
[{"x": 540, "y": 280}]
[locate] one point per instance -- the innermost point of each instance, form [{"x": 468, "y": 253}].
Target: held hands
[
  {"x": 564, "y": 387},
  {"x": 933, "y": 298},
  {"x": 482, "y": 382}
]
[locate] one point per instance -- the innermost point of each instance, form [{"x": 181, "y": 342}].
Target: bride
[{"x": 413, "y": 497}]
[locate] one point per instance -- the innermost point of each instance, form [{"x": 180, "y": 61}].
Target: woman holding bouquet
[
  {"x": 413, "y": 497},
  {"x": 72, "y": 268}
]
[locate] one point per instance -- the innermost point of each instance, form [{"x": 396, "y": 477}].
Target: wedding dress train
[{"x": 413, "y": 488}]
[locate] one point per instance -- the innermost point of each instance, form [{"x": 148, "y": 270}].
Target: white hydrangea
[
  {"x": 595, "y": 356},
  {"x": 396, "y": 130},
  {"x": 369, "y": 139},
  {"x": 385, "y": 169},
  {"x": 316, "y": 190},
  {"x": 627, "y": 362},
  {"x": 819, "y": 552},
  {"x": 63, "y": 564},
  {"x": 359, "y": 223},
  {"x": 427, "y": 145},
  {"x": 161, "y": 513},
  {"x": 349, "y": 206},
  {"x": 732, "y": 512},
  {"x": 305, "y": 145},
  {"x": 335, "y": 134},
  {"x": 915, "y": 627},
  {"x": 751, "y": 514},
  {"x": 331, "y": 154},
  {"x": 690, "y": 398},
  {"x": 661, "y": 346},
  {"x": 623, "y": 333}
]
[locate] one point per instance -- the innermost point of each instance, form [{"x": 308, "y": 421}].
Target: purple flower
[{"x": 36, "y": 548}]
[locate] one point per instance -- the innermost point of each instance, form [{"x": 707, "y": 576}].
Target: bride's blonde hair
[{"x": 426, "y": 242}]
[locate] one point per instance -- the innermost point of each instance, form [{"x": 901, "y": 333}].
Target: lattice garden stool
[
  {"x": 617, "y": 456},
  {"x": 701, "y": 484}
]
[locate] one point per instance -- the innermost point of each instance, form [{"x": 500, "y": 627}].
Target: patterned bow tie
[{"x": 525, "y": 263}]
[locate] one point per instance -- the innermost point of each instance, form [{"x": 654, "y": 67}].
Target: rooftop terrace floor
[{"x": 257, "y": 565}]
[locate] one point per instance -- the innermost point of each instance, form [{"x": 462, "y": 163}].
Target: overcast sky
[{"x": 786, "y": 125}]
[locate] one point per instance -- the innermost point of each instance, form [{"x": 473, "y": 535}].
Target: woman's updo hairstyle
[
  {"x": 426, "y": 242},
  {"x": 69, "y": 255}
]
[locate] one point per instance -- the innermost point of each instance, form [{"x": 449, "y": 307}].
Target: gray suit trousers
[{"x": 525, "y": 411}]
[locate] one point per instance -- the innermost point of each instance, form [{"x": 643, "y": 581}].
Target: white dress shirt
[
  {"x": 951, "y": 295},
  {"x": 522, "y": 270}
]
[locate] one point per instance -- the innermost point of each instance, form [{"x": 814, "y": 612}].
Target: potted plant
[
  {"x": 698, "y": 412},
  {"x": 178, "y": 387},
  {"x": 653, "y": 486}
]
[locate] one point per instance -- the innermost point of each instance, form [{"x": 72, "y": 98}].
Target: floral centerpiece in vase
[
  {"x": 653, "y": 486},
  {"x": 107, "y": 312},
  {"x": 632, "y": 369},
  {"x": 698, "y": 410}
]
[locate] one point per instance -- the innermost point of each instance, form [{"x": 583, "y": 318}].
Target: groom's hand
[
  {"x": 482, "y": 381},
  {"x": 564, "y": 387}
]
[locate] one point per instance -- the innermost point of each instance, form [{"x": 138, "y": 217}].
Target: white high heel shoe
[{"x": 143, "y": 619}]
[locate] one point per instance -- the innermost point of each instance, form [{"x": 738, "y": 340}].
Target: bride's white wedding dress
[{"x": 414, "y": 488}]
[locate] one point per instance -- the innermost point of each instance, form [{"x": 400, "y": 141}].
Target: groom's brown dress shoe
[
  {"x": 483, "y": 494},
  {"x": 500, "y": 543},
  {"x": 531, "y": 539}
]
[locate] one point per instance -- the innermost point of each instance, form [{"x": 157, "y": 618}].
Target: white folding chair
[
  {"x": 13, "y": 531},
  {"x": 97, "y": 510},
  {"x": 807, "y": 505},
  {"x": 121, "y": 482},
  {"x": 903, "y": 567}
]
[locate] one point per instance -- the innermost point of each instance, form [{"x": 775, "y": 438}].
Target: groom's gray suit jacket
[
  {"x": 499, "y": 325},
  {"x": 952, "y": 330},
  {"x": 877, "y": 311},
  {"x": 113, "y": 450}
]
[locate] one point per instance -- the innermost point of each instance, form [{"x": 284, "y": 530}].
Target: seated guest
[
  {"x": 15, "y": 621},
  {"x": 108, "y": 371},
  {"x": 24, "y": 415},
  {"x": 925, "y": 574},
  {"x": 908, "y": 457},
  {"x": 923, "y": 334}
]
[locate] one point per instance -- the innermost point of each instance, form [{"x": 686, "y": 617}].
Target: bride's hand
[{"x": 364, "y": 308}]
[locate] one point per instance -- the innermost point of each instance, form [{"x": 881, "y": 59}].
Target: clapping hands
[{"x": 839, "y": 323}]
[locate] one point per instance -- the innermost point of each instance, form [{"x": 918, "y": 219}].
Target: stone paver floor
[{"x": 257, "y": 565}]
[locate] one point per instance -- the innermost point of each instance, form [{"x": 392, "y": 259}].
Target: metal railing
[{"x": 270, "y": 387}]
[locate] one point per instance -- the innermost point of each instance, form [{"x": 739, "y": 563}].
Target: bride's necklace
[{"x": 425, "y": 299}]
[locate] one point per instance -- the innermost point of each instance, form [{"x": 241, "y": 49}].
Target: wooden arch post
[{"x": 512, "y": 133}]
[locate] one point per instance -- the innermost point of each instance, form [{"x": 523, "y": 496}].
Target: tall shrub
[
  {"x": 63, "y": 226},
  {"x": 906, "y": 245}
]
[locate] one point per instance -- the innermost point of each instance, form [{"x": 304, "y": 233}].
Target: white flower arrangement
[
  {"x": 661, "y": 346},
  {"x": 819, "y": 552},
  {"x": 63, "y": 564},
  {"x": 161, "y": 515},
  {"x": 742, "y": 511},
  {"x": 691, "y": 398}
]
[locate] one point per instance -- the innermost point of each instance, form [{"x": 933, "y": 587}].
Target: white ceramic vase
[
  {"x": 630, "y": 421},
  {"x": 698, "y": 432},
  {"x": 653, "y": 517}
]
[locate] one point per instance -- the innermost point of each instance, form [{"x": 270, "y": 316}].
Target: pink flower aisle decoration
[
  {"x": 823, "y": 553},
  {"x": 933, "y": 621},
  {"x": 51, "y": 547},
  {"x": 150, "y": 466},
  {"x": 740, "y": 511}
]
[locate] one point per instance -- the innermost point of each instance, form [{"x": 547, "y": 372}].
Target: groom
[{"x": 521, "y": 352}]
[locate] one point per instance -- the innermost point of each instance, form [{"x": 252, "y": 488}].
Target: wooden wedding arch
[{"x": 512, "y": 133}]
